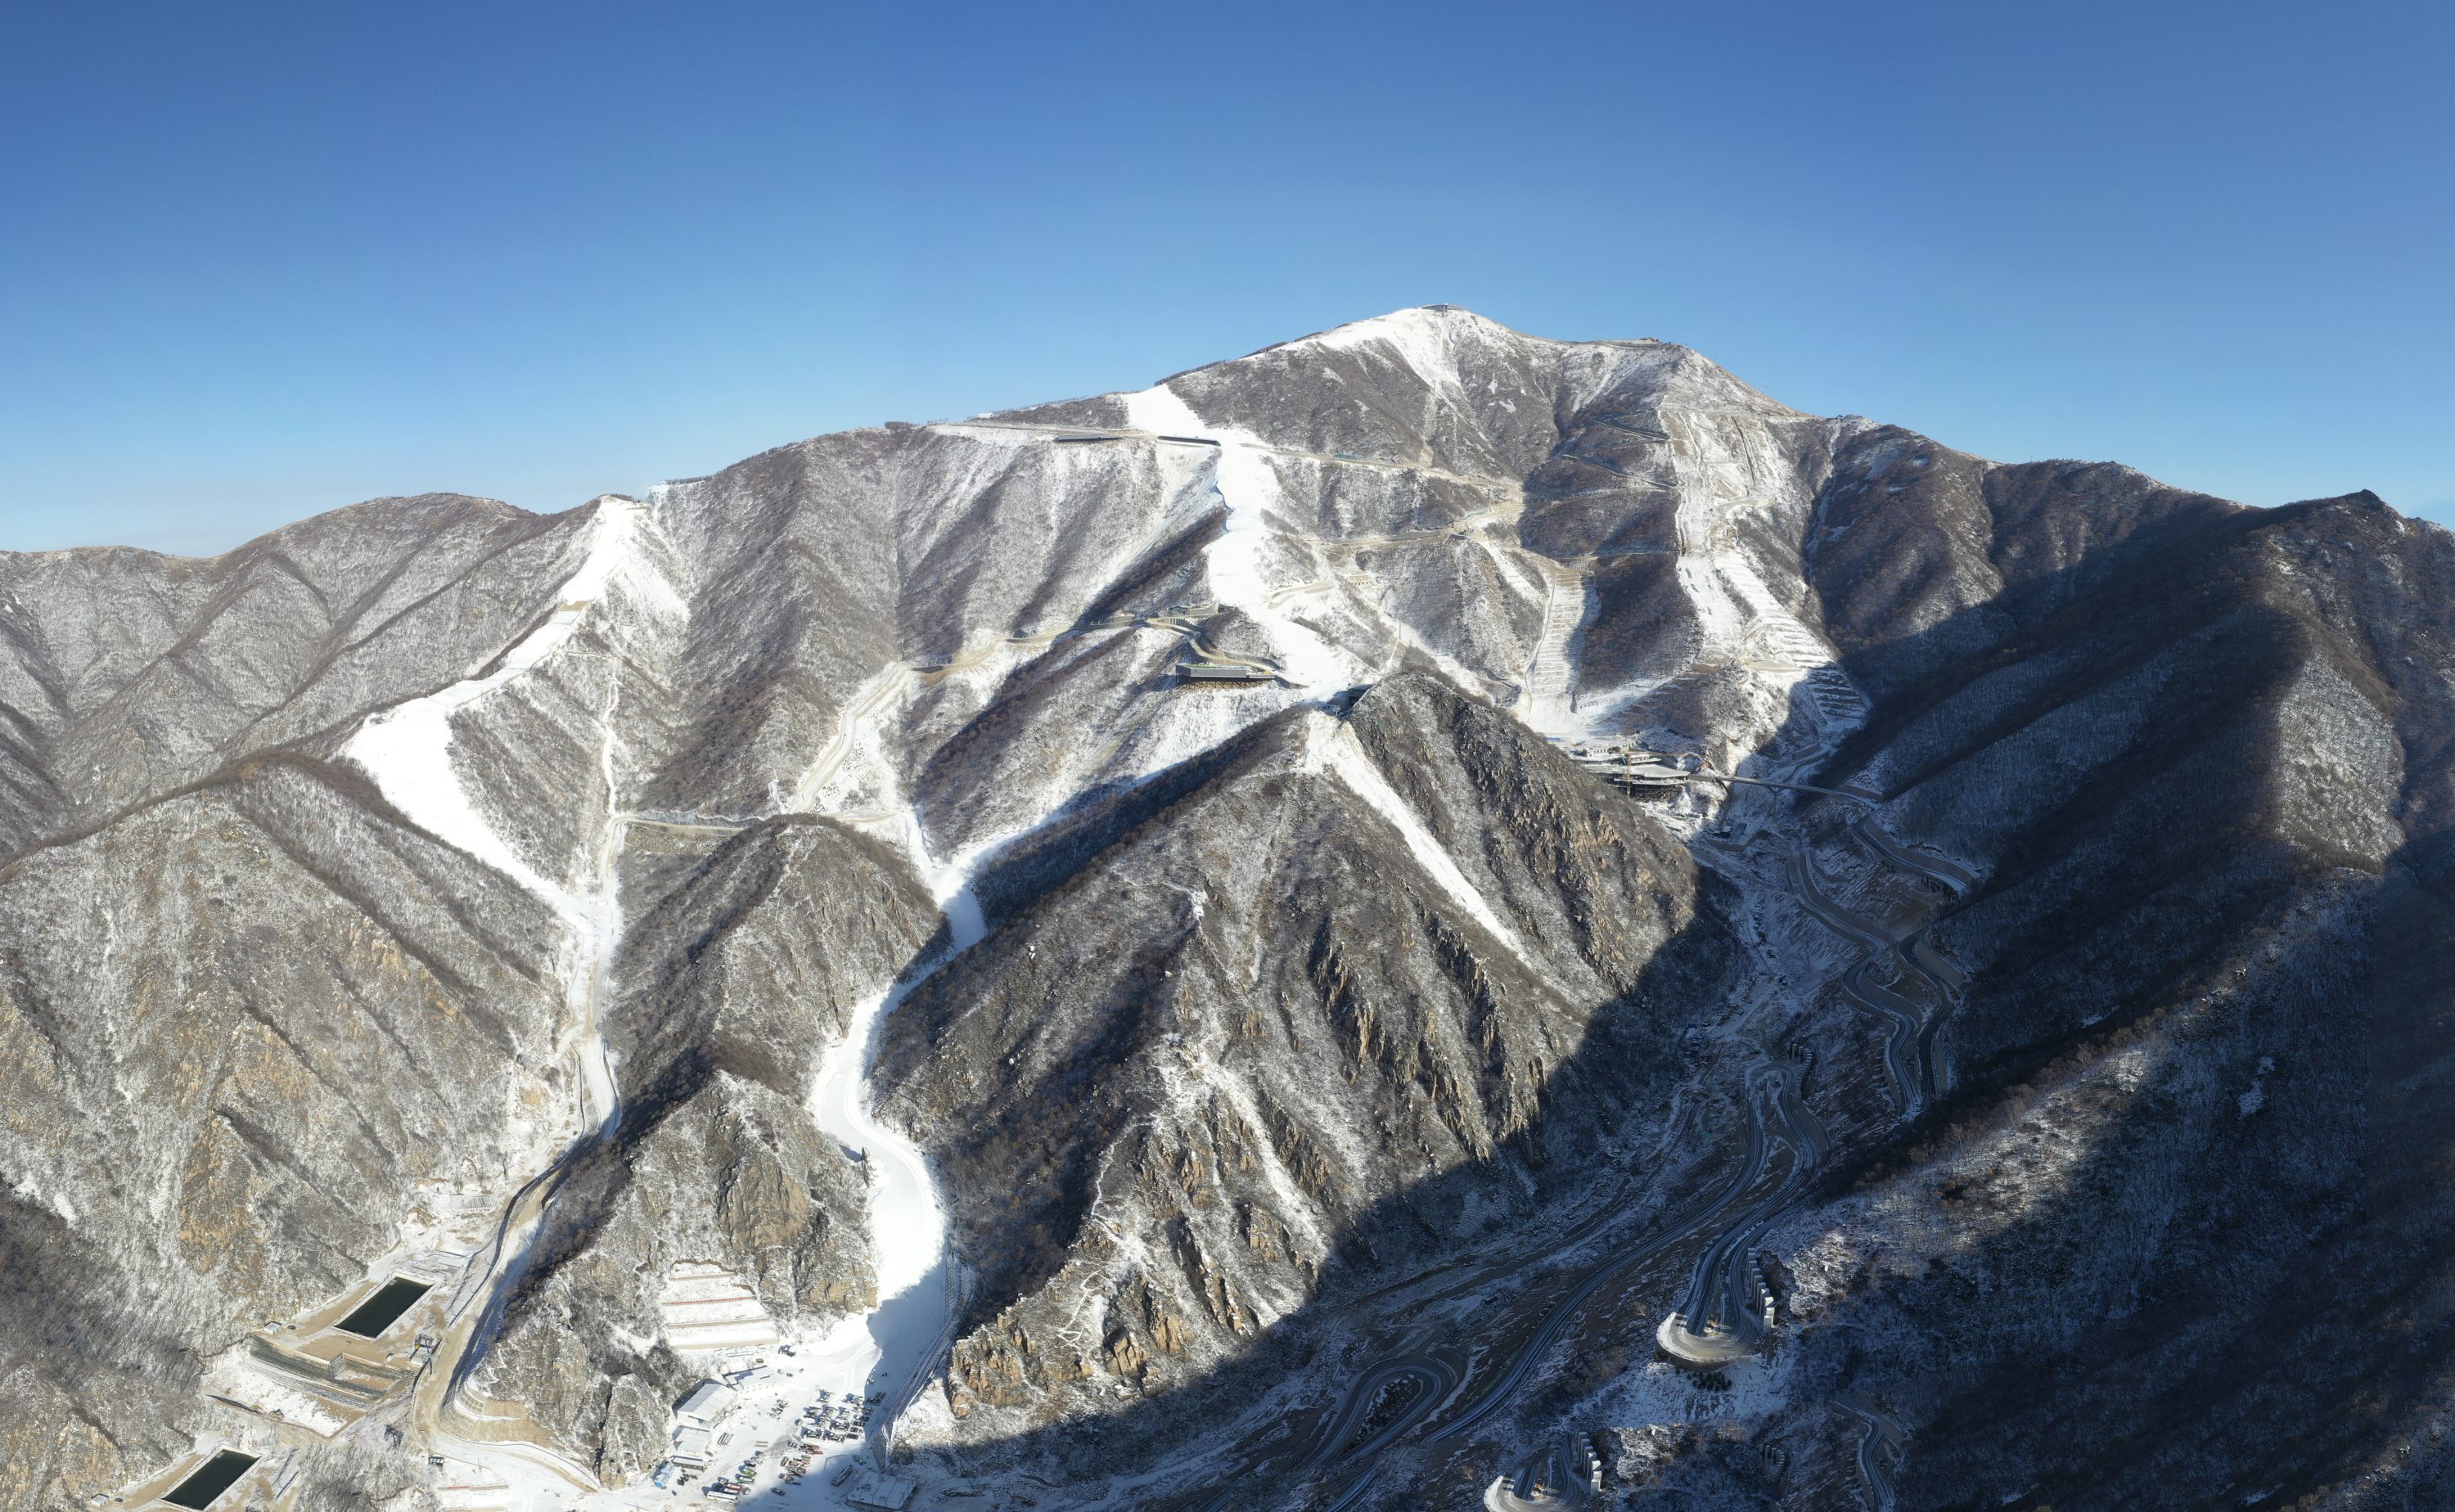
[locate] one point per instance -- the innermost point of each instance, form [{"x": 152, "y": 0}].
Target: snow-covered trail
[
  {"x": 1334, "y": 748},
  {"x": 893, "y": 1347},
  {"x": 1237, "y": 564},
  {"x": 1743, "y": 626},
  {"x": 897, "y": 1339},
  {"x": 407, "y": 750},
  {"x": 880, "y": 692},
  {"x": 1551, "y": 702}
]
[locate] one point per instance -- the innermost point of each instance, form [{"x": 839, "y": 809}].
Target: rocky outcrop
[
  {"x": 729, "y": 992},
  {"x": 1401, "y": 974}
]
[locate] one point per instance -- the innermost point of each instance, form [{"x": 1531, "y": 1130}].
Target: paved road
[
  {"x": 1083, "y": 433},
  {"x": 1201, "y": 652},
  {"x": 1880, "y": 1445},
  {"x": 1810, "y": 889},
  {"x": 1708, "y": 1300},
  {"x": 1806, "y": 1128},
  {"x": 1792, "y": 787},
  {"x": 1440, "y": 1381},
  {"x": 1726, "y": 1293},
  {"x": 1914, "y": 1034},
  {"x": 1523, "y": 1362},
  {"x": 1918, "y": 956},
  {"x": 1951, "y": 874},
  {"x": 1905, "y": 1050},
  {"x": 1901, "y": 1042},
  {"x": 1433, "y": 1378}
]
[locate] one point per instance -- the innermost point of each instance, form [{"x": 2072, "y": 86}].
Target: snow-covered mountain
[{"x": 1402, "y": 921}]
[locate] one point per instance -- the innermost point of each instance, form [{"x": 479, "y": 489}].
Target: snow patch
[
  {"x": 1421, "y": 337},
  {"x": 31, "y": 1191},
  {"x": 407, "y": 748},
  {"x": 1660, "y": 1394}
]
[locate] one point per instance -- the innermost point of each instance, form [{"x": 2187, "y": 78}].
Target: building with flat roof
[
  {"x": 691, "y": 1448},
  {"x": 707, "y": 1403}
]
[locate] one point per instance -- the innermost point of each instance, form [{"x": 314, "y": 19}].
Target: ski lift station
[
  {"x": 1205, "y": 665},
  {"x": 1632, "y": 766}
]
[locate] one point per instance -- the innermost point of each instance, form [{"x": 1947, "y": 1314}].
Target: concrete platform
[{"x": 1714, "y": 1347}]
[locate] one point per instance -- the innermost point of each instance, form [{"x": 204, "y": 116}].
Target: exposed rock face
[
  {"x": 1336, "y": 1086},
  {"x": 1236, "y": 1029}
]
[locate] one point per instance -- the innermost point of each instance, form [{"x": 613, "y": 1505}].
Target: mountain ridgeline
[{"x": 1425, "y": 918}]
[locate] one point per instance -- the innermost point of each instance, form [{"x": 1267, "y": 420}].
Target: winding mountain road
[
  {"x": 1880, "y": 1442},
  {"x": 1432, "y": 1379},
  {"x": 1913, "y": 1041},
  {"x": 1721, "y": 1313}
]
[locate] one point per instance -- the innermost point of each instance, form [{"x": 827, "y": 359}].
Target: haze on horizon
[{"x": 271, "y": 259}]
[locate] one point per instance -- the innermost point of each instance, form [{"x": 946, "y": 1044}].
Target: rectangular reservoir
[
  {"x": 211, "y": 1479},
  {"x": 379, "y": 1312}
]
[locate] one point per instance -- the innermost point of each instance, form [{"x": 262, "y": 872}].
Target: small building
[
  {"x": 886, "y": 1492},
  {"x": 1225, "y": 671},
  {"x": 691, "y": 1448},
  {"x": 705, "y": 1406}
]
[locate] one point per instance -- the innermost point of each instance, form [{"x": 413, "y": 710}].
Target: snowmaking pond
[
  {"x": 211, "y": 1480},
  {"x": 380, "y": 1311}
]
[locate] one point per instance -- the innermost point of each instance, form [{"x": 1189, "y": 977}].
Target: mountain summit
[{"x": 1426, "y": 918}]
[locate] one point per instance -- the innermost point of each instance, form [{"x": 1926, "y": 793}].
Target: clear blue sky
[{"x": 257, "y": 261}]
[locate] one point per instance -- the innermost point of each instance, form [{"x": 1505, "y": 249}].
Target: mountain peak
[{"x": 1387, "y": 879}]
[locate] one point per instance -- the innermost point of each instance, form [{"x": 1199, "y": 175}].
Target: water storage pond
[
  {"x": 214, "y": 1477},
  {"x": 384, "y": 1308}
]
